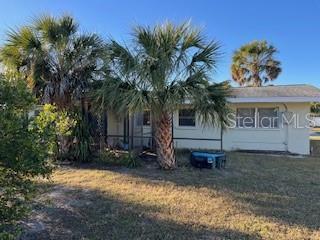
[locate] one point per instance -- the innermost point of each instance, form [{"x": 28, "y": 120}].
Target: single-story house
[{"x": 270, "y": 118}]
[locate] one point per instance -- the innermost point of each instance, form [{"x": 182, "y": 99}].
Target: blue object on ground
[{"x": 201, "y": 159}]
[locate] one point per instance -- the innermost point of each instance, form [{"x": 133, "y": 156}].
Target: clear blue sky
[{"x": 293, "y": 26}]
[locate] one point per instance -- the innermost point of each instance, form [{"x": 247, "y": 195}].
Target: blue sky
[{"x": 291, "y": 26}]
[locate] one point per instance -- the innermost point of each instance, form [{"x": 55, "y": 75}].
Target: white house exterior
[{"x": 288, "y": 131}]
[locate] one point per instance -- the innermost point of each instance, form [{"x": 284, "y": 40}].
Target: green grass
[{"x": 256, "y": 197}]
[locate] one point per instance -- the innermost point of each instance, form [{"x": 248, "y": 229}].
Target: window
[
  {"x": 257, "y": 118},
  {"x": 246, "y": 118},
  {"x": 268, "y": 117},
  {"x": 187, "y": 117},
  {"x": 146, "y": 118}
]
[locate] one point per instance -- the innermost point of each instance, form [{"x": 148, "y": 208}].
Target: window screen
[
  {"x": 187, "y": 117},
  {"x": 246, "y": 117},
  {"x": 268, "y": 117}
]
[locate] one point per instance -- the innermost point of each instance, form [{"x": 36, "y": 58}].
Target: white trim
[
  {"x": 272, "y": 99},
  {"x": 255, "y": 129}
]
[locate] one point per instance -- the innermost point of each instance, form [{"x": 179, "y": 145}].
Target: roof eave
[{"x": 273, "y": 99}]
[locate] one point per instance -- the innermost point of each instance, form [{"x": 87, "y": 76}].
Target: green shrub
[
  {"x": 118, "y": 158},
  {"x": 68, "y": 132},
  {"x": 24, "y": 154},
  {"x": 315, "y": 108},
  {"x": 55, "y": 125},
  {"x": 130, "y": 160},
  {"x": 82, "y": 140}
]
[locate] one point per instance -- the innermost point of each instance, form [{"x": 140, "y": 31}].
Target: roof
[{"x": 280, "y": 93}]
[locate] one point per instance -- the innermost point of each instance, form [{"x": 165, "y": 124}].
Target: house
[{"x": 271, "y": 118}]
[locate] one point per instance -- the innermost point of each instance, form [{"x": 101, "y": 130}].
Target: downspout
[{"x": 286, "y": 137}]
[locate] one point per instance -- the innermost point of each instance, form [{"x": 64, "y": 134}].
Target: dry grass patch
[{"x": 256, "y": 197}]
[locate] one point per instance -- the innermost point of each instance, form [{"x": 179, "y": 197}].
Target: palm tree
[
  {"x": 58, "y": 62},
  {"x": 315, "y": 108},
  {"x": 166, "y": 67},
  {"x": 55, "y": 59},
  {"x": 254, "y": 64}
]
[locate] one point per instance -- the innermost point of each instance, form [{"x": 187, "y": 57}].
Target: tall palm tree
[
  {"x": 56, "y": 60},
  {"x": 166, "y": 67},
  {"x": 315, "y": 108},
  {"x": 254, "y": 64}
]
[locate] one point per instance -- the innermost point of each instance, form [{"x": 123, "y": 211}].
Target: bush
[
  {"x": 53, "y": 125},
  {"x": 69, "y": 133},
  {"x": 315, "y": 108},
  {"x": 118, "y": 158},
  {"x": 24, "y": 154},
  {"x": 82, "y": 139}
]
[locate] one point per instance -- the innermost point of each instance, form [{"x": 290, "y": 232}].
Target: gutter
[{"x": 272, "y": 99}]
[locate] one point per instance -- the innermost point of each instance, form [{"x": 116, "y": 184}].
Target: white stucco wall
[
  {"x": 299, "y": 138},
  {"x": 196, "y": 132},
  {"x": 285, "y": 138}
]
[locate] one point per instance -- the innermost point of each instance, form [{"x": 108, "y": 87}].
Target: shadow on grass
[
  {"x": 74, "y": 213},
  {"x": 277, "y": 187}
]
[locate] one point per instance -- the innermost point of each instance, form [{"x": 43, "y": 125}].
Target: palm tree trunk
[
  {"x": 165, "y": 151},
  {"x": 100, "y": 132},
  {"x": 257, "y": 82}
]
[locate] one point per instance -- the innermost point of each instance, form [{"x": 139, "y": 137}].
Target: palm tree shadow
[{"x": 74, "y": 213}]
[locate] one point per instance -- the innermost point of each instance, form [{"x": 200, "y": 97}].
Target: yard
[{"x": 256, "y": 197}]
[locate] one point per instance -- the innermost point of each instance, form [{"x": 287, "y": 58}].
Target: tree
[
  {"x": 167, "y": 67},
  {"x": 254, "y": 64},
  {"x": 24, "y": 154},
  {"x": 315, "y": 108},
  {"x": 57, "y": 61}
]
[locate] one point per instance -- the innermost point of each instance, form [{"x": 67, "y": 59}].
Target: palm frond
[
  {"x": 122, "y": 56},
  {"x": 254, "y": 64},
  {"x": 58, "y": 62},
  {"x": 208, "y": 55},
  {"x": 167, "y": 66}
]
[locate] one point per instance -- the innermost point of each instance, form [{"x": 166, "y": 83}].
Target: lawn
[{"x": 256, "y": 197}]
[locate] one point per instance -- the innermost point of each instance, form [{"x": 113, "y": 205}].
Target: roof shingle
[{"x": 302, "y": 90}]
